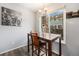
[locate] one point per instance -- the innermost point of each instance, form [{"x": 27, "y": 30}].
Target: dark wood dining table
[{"x": 49, "y": 38}]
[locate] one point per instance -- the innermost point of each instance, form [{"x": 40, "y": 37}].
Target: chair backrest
[{"x": 35, "y": 39}]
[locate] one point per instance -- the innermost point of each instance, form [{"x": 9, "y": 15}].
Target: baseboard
[{"x": 12, "y": 49}]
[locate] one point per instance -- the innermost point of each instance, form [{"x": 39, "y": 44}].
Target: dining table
[{"x": 50, "y": 39}]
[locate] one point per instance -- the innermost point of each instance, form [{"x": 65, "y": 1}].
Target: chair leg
[
  {"x": 38, "y": 51},
  {"x": 32, "y": 50}
]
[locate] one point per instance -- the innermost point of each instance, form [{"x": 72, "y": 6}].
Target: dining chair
[{"x": 38, "y": 46}]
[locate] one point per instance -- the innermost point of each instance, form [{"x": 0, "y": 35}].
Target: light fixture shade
[
  {"x": 45, "y": 9},
  {"x": 39, "y": 10}
]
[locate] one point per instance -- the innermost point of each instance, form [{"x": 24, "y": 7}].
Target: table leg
[
  {"x": 59, "y": 46},
  {"x": 50, "y": 48},
  {"x": 32, "y": 49},
  {"x": 32, "y": 46},
  {"x": 28, "y": 43}
]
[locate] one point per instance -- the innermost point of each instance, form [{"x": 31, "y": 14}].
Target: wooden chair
[{"x": 37, "y": 45}]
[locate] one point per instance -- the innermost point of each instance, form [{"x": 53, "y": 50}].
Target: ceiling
[{"x": 36, "y": 6}]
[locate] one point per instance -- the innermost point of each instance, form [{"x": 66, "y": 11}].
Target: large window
[{"x": 56, "y": 22}]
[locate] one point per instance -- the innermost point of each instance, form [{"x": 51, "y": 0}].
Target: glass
[{"x": 56, "y": 22}]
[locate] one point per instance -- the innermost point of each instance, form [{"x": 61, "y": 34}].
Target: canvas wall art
[{"x": 10, "y": 17}]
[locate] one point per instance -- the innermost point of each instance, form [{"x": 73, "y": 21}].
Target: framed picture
[{"x": 10, "y": 17}]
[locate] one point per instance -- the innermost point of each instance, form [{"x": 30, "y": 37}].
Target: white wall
[
  {"x": 12, "y": 37},
  {"x": 72, "y": 33},
  {"x": 71, "y": 48}
]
